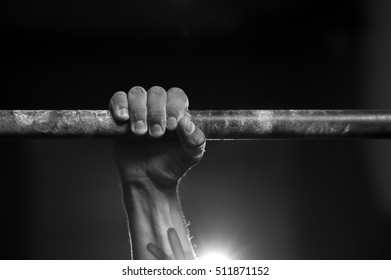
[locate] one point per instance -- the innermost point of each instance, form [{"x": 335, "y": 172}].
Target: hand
[{"x": 161, "y": 161}]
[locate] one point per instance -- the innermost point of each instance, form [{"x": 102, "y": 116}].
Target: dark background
[{"x": 248, "y": 200}]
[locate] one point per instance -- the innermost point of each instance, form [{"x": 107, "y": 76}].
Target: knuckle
[
  {"x": 137, "y": 90},
  {"x": 119, "y": 94},
  {"x": 116, "y": 97},
  {"x": 117, "y": 102},
  {"x": 177, "y": 95},
  {"x": 156, "y": 90},
  {"x": 177, "y": 92}
]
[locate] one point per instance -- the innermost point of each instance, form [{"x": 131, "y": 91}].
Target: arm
[
  {"x": 156, "y": 224},
  {"x": 150, "y": 170}
]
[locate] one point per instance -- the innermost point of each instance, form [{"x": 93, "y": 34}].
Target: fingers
[
  {"x": 156, "y": 105},
  {"x": 177, "y": 104},
  {"x": 155, "y": 111},
  {"x": 192, "y": 139},
  {"x": 137, "y": 97},
  {"x": 119, "y": 106}
]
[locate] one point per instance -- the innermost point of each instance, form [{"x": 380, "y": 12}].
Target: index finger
[{"x": 119, "y": 106}]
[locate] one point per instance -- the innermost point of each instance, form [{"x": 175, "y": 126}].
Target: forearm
[{"x": 156, "y": 224}]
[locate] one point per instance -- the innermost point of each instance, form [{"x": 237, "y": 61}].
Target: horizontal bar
[{"x": 217, "y": 125}]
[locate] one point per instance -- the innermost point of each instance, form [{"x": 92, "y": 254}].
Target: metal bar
[{"x": 217, "y": 125}]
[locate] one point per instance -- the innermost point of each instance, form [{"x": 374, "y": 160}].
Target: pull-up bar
[{"x": 217, "y": 125}]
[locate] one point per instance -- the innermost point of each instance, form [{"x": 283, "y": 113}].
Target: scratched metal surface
[{"x": 217, "y": 125}]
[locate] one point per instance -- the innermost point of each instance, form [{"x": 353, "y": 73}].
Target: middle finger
[{"x": 156, "y": 106}]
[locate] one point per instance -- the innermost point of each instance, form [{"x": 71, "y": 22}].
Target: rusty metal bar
[{"x": 217, "y": 125}]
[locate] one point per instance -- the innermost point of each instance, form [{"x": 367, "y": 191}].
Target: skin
[{"x": 150, "y": 169}]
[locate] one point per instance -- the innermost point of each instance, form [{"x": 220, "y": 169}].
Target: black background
[{"x": 249, "y": 200}]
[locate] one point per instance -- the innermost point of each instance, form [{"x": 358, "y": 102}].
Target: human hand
[{"x": 158, "y": 159}]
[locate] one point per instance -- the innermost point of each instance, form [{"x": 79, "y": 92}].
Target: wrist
[
  {"x": 147, "y": 189},
  {"x": 142, "y": 199},
  {"x": 141, "y": 180}
]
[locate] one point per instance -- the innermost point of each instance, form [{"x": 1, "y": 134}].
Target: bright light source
[{"x": 214, "y": 257}]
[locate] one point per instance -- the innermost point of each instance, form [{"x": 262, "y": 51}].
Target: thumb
[{"x": 192, "y": 139}]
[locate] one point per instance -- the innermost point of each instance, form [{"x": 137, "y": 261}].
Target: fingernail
[
  {"x": 171, "y": 123},
  {"x": 124, "y": 113},
  {"x": 156, "y": 130},
  {"x": 139, "y": 127},
  {"x": 189, "y": 126}
]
